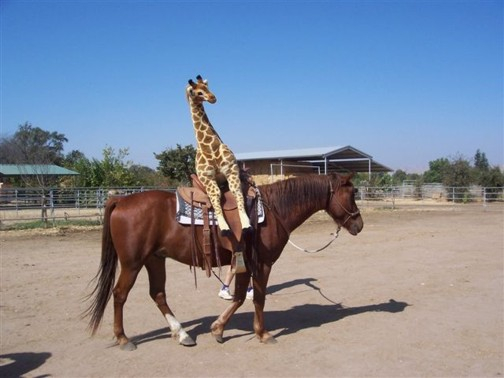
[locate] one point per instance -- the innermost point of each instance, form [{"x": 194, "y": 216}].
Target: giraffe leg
[
  {"x": 233, "y": 177},
  {"x": 214, "y": 194}
]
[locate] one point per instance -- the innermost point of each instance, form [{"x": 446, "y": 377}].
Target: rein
[{"x": 320, "y": 249}]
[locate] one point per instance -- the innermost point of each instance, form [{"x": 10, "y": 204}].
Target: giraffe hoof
[
  {"x": 225, "y": 233},
  {"x": 248, "y": 230}
]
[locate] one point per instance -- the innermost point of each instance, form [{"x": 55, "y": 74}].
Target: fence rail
[{"x": 29, "y": 204}]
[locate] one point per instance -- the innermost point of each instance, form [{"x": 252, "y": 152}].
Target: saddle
[{"x": 198, "y": 199}]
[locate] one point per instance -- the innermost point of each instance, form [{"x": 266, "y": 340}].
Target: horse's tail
[{"x": 105, "y": 277}]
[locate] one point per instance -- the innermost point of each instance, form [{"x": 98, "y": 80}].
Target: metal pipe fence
[
  {"x": 49, "y": 205},
  {"x": 435, "y": 195}
]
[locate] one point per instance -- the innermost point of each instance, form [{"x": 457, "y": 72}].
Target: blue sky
[{"x": 404, "y": 81}]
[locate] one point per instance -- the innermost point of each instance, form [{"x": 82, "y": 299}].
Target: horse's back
[
  {"x": 150, "y": 197},
  {"x": 143, "y": 210}
]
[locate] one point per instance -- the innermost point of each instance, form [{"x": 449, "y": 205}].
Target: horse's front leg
[
  {"x": 260, "y": 283},
  {"x": 157, "y": 279},
  {"x": 241, "y": 285}
]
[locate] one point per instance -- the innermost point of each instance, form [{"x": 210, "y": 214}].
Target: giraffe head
[{"x": 198, "y": 92}]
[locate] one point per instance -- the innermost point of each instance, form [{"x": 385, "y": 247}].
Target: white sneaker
[
  {"x": 224, "y": 294},
  {"x": 250, "y": 293}
]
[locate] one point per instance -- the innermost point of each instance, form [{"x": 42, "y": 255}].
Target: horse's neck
[{"x": 292, "y": 205}]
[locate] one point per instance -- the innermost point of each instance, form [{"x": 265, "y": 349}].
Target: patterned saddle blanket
[{"x": 183, "y": 214}]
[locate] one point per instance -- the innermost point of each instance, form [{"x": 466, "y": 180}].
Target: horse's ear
[{"x": 345, "y": 179}]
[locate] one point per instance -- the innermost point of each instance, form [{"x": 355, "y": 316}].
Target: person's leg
[
  {"x": 250, "y": 290},
  {"x": 224, "y": 291}
]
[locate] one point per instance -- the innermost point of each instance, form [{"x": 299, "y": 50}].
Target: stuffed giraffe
[{"x": 213, "y": 156}]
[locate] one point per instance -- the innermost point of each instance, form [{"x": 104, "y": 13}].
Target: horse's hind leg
[
  {"x": 125, "y": 282},
  {"x": 157, "y": 279}
]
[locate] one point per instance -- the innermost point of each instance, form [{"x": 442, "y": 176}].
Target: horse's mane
[{"x": 309, "y": 189}]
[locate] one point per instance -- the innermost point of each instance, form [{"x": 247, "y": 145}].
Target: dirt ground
[{"x": 417, "y": 293}]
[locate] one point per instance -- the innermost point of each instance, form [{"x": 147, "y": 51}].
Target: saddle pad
[{"x": 183, "y": 214}]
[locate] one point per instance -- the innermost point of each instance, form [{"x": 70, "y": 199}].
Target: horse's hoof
[
  {"x": 218, "y": 338},
  {"x": 217, "y": 332},
  {"x": 129, "y": 346},
  {"x": 187, "y": 341},
  {"x": 269, "y": 340}
]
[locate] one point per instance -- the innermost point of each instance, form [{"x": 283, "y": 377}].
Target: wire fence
[{"x": 32, "y": 204}]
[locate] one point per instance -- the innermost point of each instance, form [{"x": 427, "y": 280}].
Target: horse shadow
[
  {"x": 286, "y": 322},
  {"x": 19, "y": 364}
]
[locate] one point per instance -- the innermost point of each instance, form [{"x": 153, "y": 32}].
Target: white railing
[
  {"x": 429, "y": 194},
  {"x": 23, "y": 204}
]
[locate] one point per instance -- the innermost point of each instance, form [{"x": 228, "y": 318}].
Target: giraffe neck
[{"x": 203, "y": 129}]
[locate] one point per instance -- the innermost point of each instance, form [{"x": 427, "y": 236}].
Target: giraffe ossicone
[{"x": 213, "y": 156}]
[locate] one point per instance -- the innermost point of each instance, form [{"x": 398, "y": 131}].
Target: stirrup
[{"x": 239, "y": 263}]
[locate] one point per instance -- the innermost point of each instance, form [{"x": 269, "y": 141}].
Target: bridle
[
  {"x": 349, "y": 213},
  {"x": 338, "y": 229}
]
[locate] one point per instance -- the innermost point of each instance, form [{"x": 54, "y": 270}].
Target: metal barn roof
[
  {"x": 34, "y": 169},
  {"x": 328, "y": 158}
]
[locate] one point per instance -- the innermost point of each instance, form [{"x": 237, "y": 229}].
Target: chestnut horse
[{"x": 141, "y": 230}]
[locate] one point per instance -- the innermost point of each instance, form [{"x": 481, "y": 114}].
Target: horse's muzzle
[{"x": 355, "y": 225}]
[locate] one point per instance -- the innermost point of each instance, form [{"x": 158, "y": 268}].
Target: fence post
[
  {"x": 484, "y": 197},
  {"x": 17, "y": 202},
  {"x": 51, "y": 204}
]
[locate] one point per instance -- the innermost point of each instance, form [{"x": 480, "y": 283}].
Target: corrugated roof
[
  {"x": 346, "y": 157},
  {"x": 34, "y": 169},
  {"x": 286, "y": 154},
  {"x": 300, "y": 153}
]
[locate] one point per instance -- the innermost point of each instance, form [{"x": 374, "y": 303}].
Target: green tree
[
  {"x": 113, "y": 170},
  {"x": 72, "y": 158},
  {"x": 399, "y": 177},
  {"x": 145, "y": 176},
  {"x": 459, "y": 173},
  {"x": 483, "y": 174},
  {"x": 177, "y": 163},
  {"x": 481, "y": 161},
  {"x": 437, "y": 170},
  {"x": 35, "y": 146},
  {"x": 32, "y": 145}
]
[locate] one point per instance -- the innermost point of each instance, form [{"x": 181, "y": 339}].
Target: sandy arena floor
[{"x": 417, "y": 293}]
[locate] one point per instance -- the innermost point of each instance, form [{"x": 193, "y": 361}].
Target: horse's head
[
  {"x": 342, "y": 207},
  {"x": 198, "y": 92}
]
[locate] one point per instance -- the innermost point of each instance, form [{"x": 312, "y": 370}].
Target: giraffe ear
[{"x": 205, "y": 82}]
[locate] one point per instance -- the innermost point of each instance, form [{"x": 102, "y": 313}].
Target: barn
[{"x": 270, "y": 166}]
